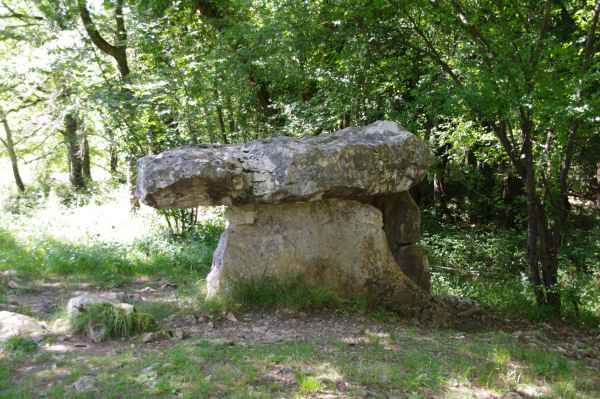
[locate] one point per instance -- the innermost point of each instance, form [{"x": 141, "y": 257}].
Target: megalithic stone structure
[{"x": 334, "y": 209}]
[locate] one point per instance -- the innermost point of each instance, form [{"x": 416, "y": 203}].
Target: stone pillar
[{"x": 402, "y": 226}]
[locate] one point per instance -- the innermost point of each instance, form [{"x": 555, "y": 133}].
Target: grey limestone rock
[
  {"x": 381, "y": 158},
  {"x": 82, "y": 303},
  {"x": 18, "y": 324}
]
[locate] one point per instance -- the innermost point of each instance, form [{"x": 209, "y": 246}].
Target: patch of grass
[
  {"x": 417, "y": 365},
  {"x": 113, "y": 321},
  {"x": 269, "y": 291},
  {"x": 18, "y": 343},
  {"x": 157, "y": 310},
  {"x": 309, "y": 383},
  {"x": 100, "y": 239}
]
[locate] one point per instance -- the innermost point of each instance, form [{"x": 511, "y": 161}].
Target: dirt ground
[{"x": 257, "y": 326}]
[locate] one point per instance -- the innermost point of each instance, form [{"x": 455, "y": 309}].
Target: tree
[
  {"x": 522, "y": 70},
  {"x": 10, "y": 148}
]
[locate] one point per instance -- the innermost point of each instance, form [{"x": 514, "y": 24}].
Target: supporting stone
[{"x": 337, "y": 244}]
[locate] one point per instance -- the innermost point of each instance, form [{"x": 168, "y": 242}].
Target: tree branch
[
  {"x": 433, "y": 52},
  {"x": 17, "y": 15},
  {"x": 587, "y": 55},
  {"x": 117, "y": 52}
]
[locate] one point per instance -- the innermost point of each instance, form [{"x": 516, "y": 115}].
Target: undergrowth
[
  {"x": 488, "y": 263},
  {"x": 18, "y": 344},
  {"x": 101, "y": 239}
]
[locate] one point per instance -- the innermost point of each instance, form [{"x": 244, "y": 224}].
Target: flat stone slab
[{"x": 381, "y": 158}]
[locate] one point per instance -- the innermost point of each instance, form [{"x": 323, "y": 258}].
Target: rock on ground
[
  {"x": 85, "y": 384},
  {"x": 18, "y": 324},
  {"x": 82, "y": 303}
]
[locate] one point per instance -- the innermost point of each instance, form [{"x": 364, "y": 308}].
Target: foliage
[
  {"x": 115, "y": 321},
  {"x": 494, "y": 271}
]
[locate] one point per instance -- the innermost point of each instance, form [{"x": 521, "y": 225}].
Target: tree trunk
[
  {"x": 10, "y": 148},
  {"x": 74, "y": 152},
  {"x": 112, "y": 149},
  {"x": 548, "y": 251},
  {"x": 85, "y": 147},
  {"x": 532, "y": 214},
  {"x": 598, "y": 184},
  {"x": 220, "y": 117},
  {"x": 537, "y": 229}
]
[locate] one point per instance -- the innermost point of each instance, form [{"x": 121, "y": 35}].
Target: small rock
[
  {"x": 12, "y": 284},
  {"x": 259, "y": 329},
  {"x": 9, "y": 273},
  {"x": 147, "y": 337},
  {"x": 285, "y": 370},
  {"x": 86, "y": 383},
  {"x": 150, "y": 368},
  {"x": 148, "y": 290},
  {"x": 231, "y": 317},
  {"x": 190, "y": 320},
  {"x": 546, "y": 326},
  {"x": 179, "y": 334},
  {"x": 210, "y": 325},
  {"x": 155, "y": 336}
]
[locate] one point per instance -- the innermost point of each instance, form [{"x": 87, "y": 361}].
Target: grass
[
  {"x": 102, "y": 241},
  {"x": 411, "y": 366},
  {"x": 18, "y": 344},
  {"x": 269, "y": 291},
  {"x": 112, "y": 321}
]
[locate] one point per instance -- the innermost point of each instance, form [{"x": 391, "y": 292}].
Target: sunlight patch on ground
[{"x": 110, "y": 222}]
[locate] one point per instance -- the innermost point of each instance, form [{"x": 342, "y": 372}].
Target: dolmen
[{"x": 332, "y": 209}]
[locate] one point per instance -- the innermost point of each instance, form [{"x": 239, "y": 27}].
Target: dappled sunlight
[{"x": 111, "y": 221}]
